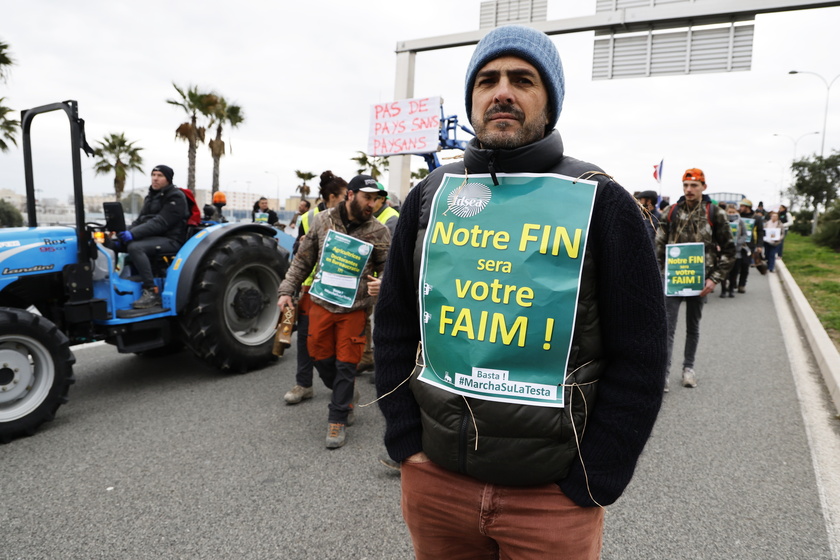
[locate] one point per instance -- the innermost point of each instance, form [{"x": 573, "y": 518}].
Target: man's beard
[
  {"x": 492, "y": 135},
  {"x": 358, "y": 211}
]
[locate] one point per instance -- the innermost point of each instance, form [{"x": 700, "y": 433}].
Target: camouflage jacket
[
  {"x": 682, "y": 224},
  {"x": 309, "y": 253}
]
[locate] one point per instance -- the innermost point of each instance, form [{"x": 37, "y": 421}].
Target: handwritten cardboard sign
[{"x": 407, "y": 126}]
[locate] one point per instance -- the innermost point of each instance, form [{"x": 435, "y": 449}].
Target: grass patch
[
  {"x": 816, "y": 270},
  {"x": 829, "y": 286}
]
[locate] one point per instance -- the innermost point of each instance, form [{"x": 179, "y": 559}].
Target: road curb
[{"x": 826, "y": 354}]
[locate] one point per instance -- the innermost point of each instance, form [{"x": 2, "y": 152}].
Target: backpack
[
  {"x": 708, "y": 213},
  {"x": 194, "y": 217}
]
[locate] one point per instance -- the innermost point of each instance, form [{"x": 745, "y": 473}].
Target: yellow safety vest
[
  {"x": 387, "y": 214},
  {"x": 304, "y": 223}
]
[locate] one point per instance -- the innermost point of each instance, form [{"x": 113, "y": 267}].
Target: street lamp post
[
  {"x": 795, "y": 144},
  {"x": 827, "y": 94},
  {"x": 825, "y": 122}
]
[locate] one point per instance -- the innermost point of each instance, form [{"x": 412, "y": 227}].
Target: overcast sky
[{"x": 306, "y": 75}]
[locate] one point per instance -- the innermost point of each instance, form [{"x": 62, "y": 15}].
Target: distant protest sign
[
  {"x": 407, "y": 126},
  {"x": 749, "y": 223},
  {"x": 343, "y": 258},
  {"x": 685, "y": 269},
  {"x": 501, "y": 278},
  {"x": 771, "y": 235}
]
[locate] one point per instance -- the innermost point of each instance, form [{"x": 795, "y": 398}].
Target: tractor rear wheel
[
  {"x": 232, "y": 314},
  {"x": 36, "y": 371}
]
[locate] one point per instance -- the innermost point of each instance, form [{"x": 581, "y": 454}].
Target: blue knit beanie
[{"x": 530, "y": 45}]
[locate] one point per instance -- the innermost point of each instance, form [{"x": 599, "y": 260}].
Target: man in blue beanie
[{"x": 512, "y": 437}]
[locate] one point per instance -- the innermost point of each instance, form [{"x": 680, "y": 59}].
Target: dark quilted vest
[{"x": 516, "y": 444}]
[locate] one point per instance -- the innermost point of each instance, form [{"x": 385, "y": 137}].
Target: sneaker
[
  {"x": 298, "y": 393},
  {"x": 351, "y": 416},
  {"x": 731, "y": 294},
  {"x": 742, "y": 289},
  {"x": 336, "y": 436},
  {"x": 150, "y": 298},
  {"x": 723, "y": 293},
  {"x": 388, "y": 462},
  {"x": 689, "y": 378}
]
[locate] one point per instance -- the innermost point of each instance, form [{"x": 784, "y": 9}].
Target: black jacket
[
  {"x": 272, "y": 216},
  {"x": 619, "y": 340},
  {"x": 164, "y": 214}
]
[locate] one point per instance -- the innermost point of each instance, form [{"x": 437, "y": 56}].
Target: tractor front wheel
[{"x": 36, "y": 371}]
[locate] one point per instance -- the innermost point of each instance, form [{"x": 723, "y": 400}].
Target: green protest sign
[
  {"x": 261, "y": 217},
  {"x": 343, "y": 258},
  {"x": 685, "y": 269},
  {"x": 500, "y": 276},
  {"x": 749, "y": 223},
  {"x": 733, "y": 227}
]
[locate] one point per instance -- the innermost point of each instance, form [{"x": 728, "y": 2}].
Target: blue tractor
[
  {"x": 61, "y": 286},
  {"x": 447, "y": 139}
]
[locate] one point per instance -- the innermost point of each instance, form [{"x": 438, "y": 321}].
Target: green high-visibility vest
[
  {"x": 387, "y": 214},
  {"x": 304, "y": 221}
]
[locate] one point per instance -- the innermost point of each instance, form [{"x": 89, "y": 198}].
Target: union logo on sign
[{"x": 469, "y": 200}]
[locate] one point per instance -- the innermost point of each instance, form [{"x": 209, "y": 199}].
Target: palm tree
[
  {"x": 222, "y": 113},
  {"x": 419, "y": 175},
  {"x": 374, "y": 165},
  {"x": 304, "y": 189},
  {"x": 8, "y": 126},
  {"x": 193, "y": 103},
  {"x": 119, "y": 156},
  {"x": 6, "y": 61}
]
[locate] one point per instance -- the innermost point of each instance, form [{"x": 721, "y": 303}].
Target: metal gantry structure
[{"x": 633, "y": 38}]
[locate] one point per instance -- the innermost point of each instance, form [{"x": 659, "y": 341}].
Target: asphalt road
[{"x": 168, "y": 459}]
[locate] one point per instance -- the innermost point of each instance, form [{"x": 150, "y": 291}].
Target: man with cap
[
  {"x": 213, "y": 212},
  {"x": 694, "y": 219},
  {"x": 509, "y": 477},
  {"x": 383, "y": 211},
  {"x": 648, "y": 201},
  {"x": 754, "y": 223},
  {"x": 347, "y": 246},
  {"x": 387, "y": 216},
  {"x": 160, "y": 228}
]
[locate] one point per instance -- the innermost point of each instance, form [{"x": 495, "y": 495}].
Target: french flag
[{"x": 657, "y": 171}]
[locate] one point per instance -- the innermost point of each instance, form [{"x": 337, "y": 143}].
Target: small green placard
[
  {"x": 685, "y": 269},
  {"x": 343, "y": 259},
  {"x": 749, "y": 223}
]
